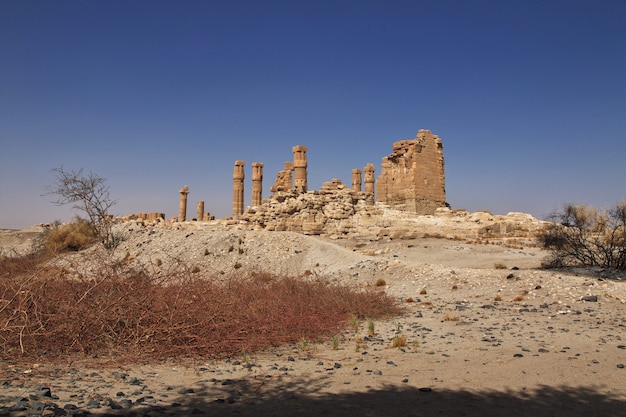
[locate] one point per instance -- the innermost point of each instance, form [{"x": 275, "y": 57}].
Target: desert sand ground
[{"x": 481, "y": 341}]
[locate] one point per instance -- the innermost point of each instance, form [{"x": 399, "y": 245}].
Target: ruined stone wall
[
  {"x": 328, "y": 210},
  {"x": 337, "y": 211},
  {"x": 412, "y": 177}
]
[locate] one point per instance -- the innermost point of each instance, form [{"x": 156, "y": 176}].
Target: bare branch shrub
[
  {"x": 585, "y": 236},
  {"x": 127, "y": 312},
  {"x": 88, "y": 193}
]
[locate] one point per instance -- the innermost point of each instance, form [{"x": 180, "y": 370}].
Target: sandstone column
[
  {"x": 238, "y": 177},
  {"x": 356, "y": 180},
  {"x": 200, "y": 211},
  {"x": 182, "y": 210},
  {"x": 369, "y": 178},
  {"x": 257, "y": 183},
  {"x": 300, "y": 165}
]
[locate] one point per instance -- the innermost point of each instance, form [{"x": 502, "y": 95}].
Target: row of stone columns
[
  {"x": 369, "y": 179},
  {"x": 182, "y": 207},
  {"x": 283, "y": 183},
  {"x": 238, "y": 200},
  {"x": 257, "y": 186}
]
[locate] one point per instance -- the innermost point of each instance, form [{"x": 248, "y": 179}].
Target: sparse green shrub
[
  {"x": 358, "y": 344},
  {"x": 371, "y": 327},
  {"x": 355, "y": 323},
  {"x": 584, "y": 235},
  {"x": 303, "y": 344}
]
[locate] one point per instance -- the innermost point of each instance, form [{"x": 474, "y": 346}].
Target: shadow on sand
[{"x": 299, "y": 398}]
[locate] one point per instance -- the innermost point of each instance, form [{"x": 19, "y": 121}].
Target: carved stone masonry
[
  {"x": 300, "y": 165},
  {"x": 412, "y": 177},
  {"x": 356, "y": 180},
  {"x": 182, "y": 209},
  {"x": 238, "y": 177},
  {"x": 288, "y": 184},
  {"x": 257, "y": 183},
  {"x": 283, "y": 179}
]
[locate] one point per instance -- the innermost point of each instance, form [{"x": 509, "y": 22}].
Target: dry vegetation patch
[{"x": 128, "y": 312}]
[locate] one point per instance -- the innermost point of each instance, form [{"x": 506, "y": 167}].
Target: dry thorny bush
[
  {"x": 586, "y": 236},
  {"x": 127, "y": 312}
]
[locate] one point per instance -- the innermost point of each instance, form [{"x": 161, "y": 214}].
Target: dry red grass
[{"x": 128, "y": 313}]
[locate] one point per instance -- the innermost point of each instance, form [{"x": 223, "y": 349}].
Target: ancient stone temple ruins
[
  {"x": 411, "y": 180},
  {"x": 412, "y": 177}
]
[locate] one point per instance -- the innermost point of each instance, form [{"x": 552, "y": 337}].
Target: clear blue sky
[{"x": 529, "y": 97}]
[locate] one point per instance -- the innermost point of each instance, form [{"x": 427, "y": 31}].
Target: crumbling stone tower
[
  {"x": 300, "y": 165},
  {"x": 182, "y": 207},
  {"x": 283, "y": 179},
  {"x": 412, "y": 177},
  {"x": 238, "y": 177},
  {"x": 257, "y": 183}
]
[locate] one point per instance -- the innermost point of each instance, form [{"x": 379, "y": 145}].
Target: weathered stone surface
[
  {"x": 314, "y": 212},
  {"x": 152, "y": 217},
  {"x": 412, "y": 177}
]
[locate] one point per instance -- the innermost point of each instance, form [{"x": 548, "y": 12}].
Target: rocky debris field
[{"x": 486, "y": 332}]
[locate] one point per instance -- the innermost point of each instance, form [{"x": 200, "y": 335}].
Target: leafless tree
[
  {"x": 88, "y": 193},
  {"x": 583, "y": 235}
]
